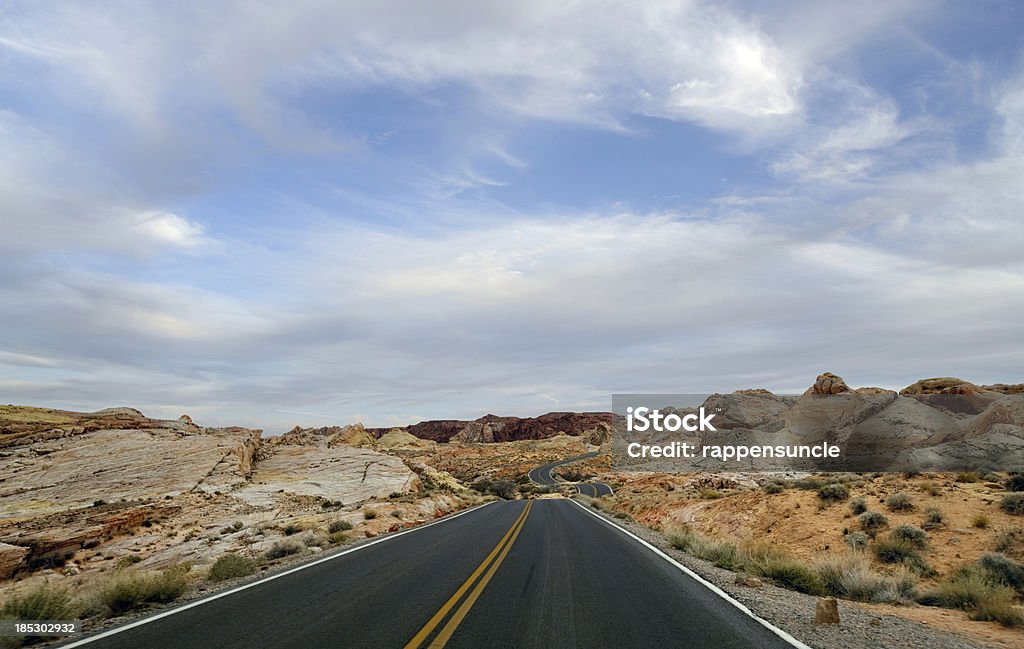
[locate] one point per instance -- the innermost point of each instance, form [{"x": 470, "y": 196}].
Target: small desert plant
[
  {"x": 872, "y": 522},
  {"x": 1004, "y": 569},
  {"x": 237, "y": 525},
  {"x": 850, "y": 576},
  {"x": 774, "y": 488},
  {"x": 833, "y": 492},
  {"x": 721, "y": 553},
  {"x": 901, "y": 502},
  {"x": 1013, "y": 504},
  {"x": 933, "y": 518},
  {"x": 858, "y": 506},
  {"x": 41, "y": 602},
  {"x": 980, "y": 521},
  {"x": 1010, "y": 541},
  {"x": 911, "y": 534},
  {"x": 930, "y": 489},
  {"x": 892, "y": 549},
  {"x": 339, "y": 525},
  {"x": 788, "y": 572},
  {"x": 282, "y": 549},
  {"x": 127, "y": 560},
  {"x": 291, "y": 528},
  {"x": 128, "y": 590},
  {"x": 230, "y": 566},
  {"x": 967, "y": 476},
  {"x": 682, "y": 538},
  {"x": 369, "y": 514},
  {"x": 710, "y": 494},
  {"x": 337, "y": 537},
  {"x": 973, "y": 588},
  {"x": 1015, "y": 482},
  {"x": 857, "y": 540}
]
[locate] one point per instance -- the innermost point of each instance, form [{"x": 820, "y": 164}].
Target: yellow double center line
[{"x": 500, "y": 551}]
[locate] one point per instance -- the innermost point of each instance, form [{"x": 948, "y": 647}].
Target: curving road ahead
[
  {"x": 523, "y": 574},
  {"x": 542, "y": 476}
]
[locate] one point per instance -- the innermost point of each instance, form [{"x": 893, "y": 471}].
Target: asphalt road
[
  {"x": 542, "y": 475},
  {"x": 524, "y": 574}
]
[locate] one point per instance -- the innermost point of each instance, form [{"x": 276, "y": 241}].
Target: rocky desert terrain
[{"x": 104, "y": 513}]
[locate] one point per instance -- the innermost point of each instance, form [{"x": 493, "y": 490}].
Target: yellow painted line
[
  {"x": 428, "y": 628},
  {"x": 449, "y": 629}
]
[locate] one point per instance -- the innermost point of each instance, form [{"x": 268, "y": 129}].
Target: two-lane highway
[
  {"x": 540, "y": 573},
  {"x": 542, "y": 476}
]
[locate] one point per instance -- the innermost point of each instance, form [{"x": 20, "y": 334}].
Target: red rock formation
[{"x": 507, "y": 429}]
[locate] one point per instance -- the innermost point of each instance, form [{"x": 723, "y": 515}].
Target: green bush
[
  {"x": 339, "y": 525},
  {"x": 911, "y": 534},
  {"x": 230, "y": 566},
  {"x": 282, "y": 549},
  {"x": 1015, "y": 482},
  {"x": 872, "y": 522},
  {"x": 833, "y": 492},
  {"x": 901, "y": 502},
  {"x": 858, "y": 506},
  {"x": 1013, "y": 504}
]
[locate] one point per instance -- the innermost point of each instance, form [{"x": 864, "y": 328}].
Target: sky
[{"x": 309, "y": 213}]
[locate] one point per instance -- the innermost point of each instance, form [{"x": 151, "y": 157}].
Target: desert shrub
[
  {"x": 710, "y": 494},
  {"x": 857, "y": 540},
  {"x": 315, "y": 541},
  {"x": 933, "y": 518},
  {"x": 128, "y": 590},
  {"x": 339, "y": 525},
  {"x": 872, "y": 522},
  {"x": 858, "y": 505},
  {"x": 41, "y": 602},
  {"x": 282, "y": 549},
  {"x": 810, "y": 484},
  {"x": 622, "y": 516},
  {"x": 721, "y": 553},
  {"x": 1013, "y": 504},
  {"x": 230, "y": 566},
  {"x": 237, "y": 525},
  {"x": 930, "y": 489},
  {"x": 1004, "y": 569},
  {"x": 892, "y": 549},
  {"x": 833, "y": 492},
  {"x": 1015, "y": 482},
  {"x": 901, "y": 502},
  {"x": 1010, "y": 541},
  {"x": 127, "y": 560},
  {"x": 774, "y": 488},
  {"x": 788, "y": 572},
  {"x": 972, "y": 588},
  {"x": 991, "y": 476},
  {"x": 911, "y": 534},
  {"x": 682, "y": 538},
  {"x": 369, "y": 514},
  {"x": 850, "y": 576},
  {"x": 337, "y": 537},
  {"x": 967, "y": 476},
  {"x": 291, "y": 528},
  {"x": 980, "y": 521}
]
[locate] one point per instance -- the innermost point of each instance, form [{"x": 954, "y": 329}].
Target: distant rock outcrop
[
  {"x": 828, "y": 383},
  {"x": 492, "y": 428}
]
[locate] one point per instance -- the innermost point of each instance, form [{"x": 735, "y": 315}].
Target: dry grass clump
[
  {"x": 128, "y": 590},
  {"x": 974, "y": 589},
  {"x": 282, "y": 549},
  {"x": 850, "y": 576},
  {"x": 901, "y": 502},
  {"x": 230, "y": 566}
]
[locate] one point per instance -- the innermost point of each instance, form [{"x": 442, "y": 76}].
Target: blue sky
[{"x": 313, "y": 213}]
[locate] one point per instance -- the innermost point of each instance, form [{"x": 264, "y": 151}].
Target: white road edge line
[
  {"x": 232, "y": 591},
  {"x": 710, "y": 586}
]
